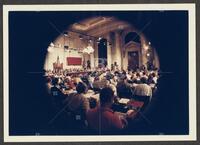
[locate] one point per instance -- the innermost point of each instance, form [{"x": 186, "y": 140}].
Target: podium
[{"x": 57, "y": 66}]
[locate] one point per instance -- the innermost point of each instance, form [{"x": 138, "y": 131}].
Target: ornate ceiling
[{"x": 97, "y": 26}]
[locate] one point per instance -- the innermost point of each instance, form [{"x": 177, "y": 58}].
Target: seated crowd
[{"x": 69, "y": 91}]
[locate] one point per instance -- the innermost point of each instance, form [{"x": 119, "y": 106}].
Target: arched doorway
[{"x": 132, "y": 59}]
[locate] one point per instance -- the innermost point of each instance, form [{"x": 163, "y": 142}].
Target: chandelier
[{"x": 88, "y": 50}]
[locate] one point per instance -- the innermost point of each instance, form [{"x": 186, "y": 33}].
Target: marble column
[
  {"x": 109, "y": 52},
  {"x": 143, "y": 51},
  {"x": 118, "y": 51},
  {"x": 95, "y": 54},
  {"x": 92, "y": 62}
]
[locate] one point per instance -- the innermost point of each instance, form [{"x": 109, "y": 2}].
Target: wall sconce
[
  {"x": 51, "y": 47},
  {"x": 52, "y": 44},
  {"x": 146, "y": 47}
]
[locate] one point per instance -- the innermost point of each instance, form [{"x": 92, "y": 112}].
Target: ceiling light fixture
[{"x": 88, "y": 50}]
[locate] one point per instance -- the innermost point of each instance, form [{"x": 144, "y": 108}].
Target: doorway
[
  {"x": 102, "y": 53},
  {"x": 133, "y": 60}
]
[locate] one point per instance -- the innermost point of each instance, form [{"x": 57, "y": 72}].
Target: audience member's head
[
  {"x": 77, "y": 80},
  {"x": 123, "y": 72},
  {"x": 123, "y": 78},
  {"x": 143, "y": 80},
  {"x": 137, "y": 74},
  {"x": 81, "y": 88},
  {"x": 96, "y": 78},
  {"x": 106, "y": 96},
  {"x": 55, "y": 81},
  {"x": 153, "y": 74}
]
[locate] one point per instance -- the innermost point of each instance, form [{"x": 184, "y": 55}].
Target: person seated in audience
[
  {"x": 68, "y": 77},
  {"x": 112, "y": 67},
  {"x": 113, "y": 81},
  {"x": 137, "y": 77},
  {"x": 100, "y": 82},
  {"x": 87, "y": 80},
  {"x": 143, "y": 92},
  {"x": 48, "y": 85},
  {"x": 103, "y": 118},
  {"x": 129, "y": 74},
  {"x": 124, "y": 89},
  {"x": 144, "y": 74},
  {"x": 150, "y": 79},
  {"x": 90, "y": 82},
  {"x": 155, "y": 78},
  {"x": 77, "y": 103},
  {"x": 143, "y": 89},
  {"x": 116, "y": 98},
  {"x": 113, "y": 87},
  {"x": 69, "y": 84},
  {"x": 56, "y": 93},
  {"x": 76, "y": 80},
  {"x": 109, "y": 75}
]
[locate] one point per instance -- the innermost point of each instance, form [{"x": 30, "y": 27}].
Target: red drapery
[{"x": 74, "y": 60}]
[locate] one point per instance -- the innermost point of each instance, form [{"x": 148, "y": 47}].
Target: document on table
[{"x": 124, "y": 101}]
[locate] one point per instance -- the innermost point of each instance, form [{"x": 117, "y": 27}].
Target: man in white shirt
[{"x": 143, "y": 89}]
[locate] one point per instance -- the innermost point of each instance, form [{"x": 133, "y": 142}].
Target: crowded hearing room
[{"x": 98, "y": 73}]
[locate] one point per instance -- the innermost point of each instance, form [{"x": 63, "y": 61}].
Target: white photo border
[{"x": 190, "y": 7}]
